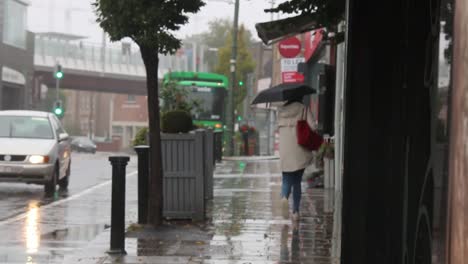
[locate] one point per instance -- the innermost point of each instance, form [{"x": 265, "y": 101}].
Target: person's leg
[
  {"x": 286, "y": 186},
  {"x": 285, "y": 192},
  {"x": 297, "y": 190}
]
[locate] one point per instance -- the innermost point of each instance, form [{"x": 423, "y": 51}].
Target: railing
[{"x": 90, "y": 57}]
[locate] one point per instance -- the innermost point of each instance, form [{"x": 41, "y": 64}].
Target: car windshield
[{"x": 25, "y": 127}]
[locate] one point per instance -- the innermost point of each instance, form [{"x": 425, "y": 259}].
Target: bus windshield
[{"x": 211, "y": 102}]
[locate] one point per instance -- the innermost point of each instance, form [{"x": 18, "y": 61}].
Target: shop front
[{"x": 12, "y": 89}]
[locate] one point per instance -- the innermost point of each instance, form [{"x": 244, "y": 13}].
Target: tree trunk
[{"x": 155, "y": 197}]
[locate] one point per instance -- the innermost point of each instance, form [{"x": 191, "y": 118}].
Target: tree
[
  {"x": 245, "y": 65},
  {"x": 327, "y": 13},
  {"x": 175, "y": 97},
  {"x": 215, "y": 37},
  {"x": 150, "y": 24}
]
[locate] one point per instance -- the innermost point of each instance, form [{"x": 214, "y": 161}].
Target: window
[
  {"x": 117, "y": 130},
  {"x": 14, "y": 32},
  {"x": 131, "y": 99}
]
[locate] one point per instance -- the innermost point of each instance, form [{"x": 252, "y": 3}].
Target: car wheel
[
  {"x": 49, "y": 187},
  {"x": 63, "y": 183}
]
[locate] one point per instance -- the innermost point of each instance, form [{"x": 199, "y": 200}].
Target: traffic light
[
  {"x": 239, "y": 118},
  {"x": 58, "y": 108},
  {"x": 58, "y": 74},
  {"x": 241, "y": 83}
]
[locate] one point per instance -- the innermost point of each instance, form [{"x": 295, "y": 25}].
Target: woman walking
[{"x": 294, "y": 158}]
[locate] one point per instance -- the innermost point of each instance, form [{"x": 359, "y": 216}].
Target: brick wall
[{"x": 128, "y": 108}]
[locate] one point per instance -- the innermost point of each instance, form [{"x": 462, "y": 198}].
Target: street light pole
[{"x": 230, "y": 104}]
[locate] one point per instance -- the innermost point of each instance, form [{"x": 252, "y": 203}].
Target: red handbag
[{"x": 306, "y": 137}]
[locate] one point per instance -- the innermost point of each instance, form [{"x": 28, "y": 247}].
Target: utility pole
[
  {"x": 230, "y": 104},
  {"x": 270, "y": 113}
]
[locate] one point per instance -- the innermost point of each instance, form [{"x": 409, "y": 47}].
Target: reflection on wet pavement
[
  {"x": 51, "y": 230},
  {"x": 32, "y": 232},
  {"x": 245, "y": 225}
]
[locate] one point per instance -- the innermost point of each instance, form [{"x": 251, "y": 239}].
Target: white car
[{"x": 34, "y": 148}]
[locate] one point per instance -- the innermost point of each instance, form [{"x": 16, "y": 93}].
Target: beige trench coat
[{"x": 293, "y": 156}]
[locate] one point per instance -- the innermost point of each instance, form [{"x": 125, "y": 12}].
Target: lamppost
[
  {"x": 229, "y": 143},
  {"x": 232, "y": 86}
]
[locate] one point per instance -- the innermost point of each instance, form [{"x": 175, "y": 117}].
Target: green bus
[{"x": 210, "y": 90}]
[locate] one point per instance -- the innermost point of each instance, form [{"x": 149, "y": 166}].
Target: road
[
  {"x": 88, "y": 170},
  {"x": 36, "y": 229}
]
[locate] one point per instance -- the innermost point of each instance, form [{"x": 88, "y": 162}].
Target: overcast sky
[{"x": 51, "y": 15}]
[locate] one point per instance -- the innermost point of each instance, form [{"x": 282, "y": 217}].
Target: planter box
[
  {"x": 188, "y": 174},
  {"x": 209, "y": 159}
]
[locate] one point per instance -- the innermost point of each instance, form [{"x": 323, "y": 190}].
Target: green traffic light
[
  {"x": 59, "y": 75},
  {"x": 241, "y": 83},
  {"x": 239, "y": 118},
  {"x": 58, "y": 111}
]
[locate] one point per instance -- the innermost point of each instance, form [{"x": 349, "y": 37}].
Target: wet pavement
[
  {"x": 245, "y": 225},
  {"x": 35, "y": 229},
  {"x": 87, "y": 170}
]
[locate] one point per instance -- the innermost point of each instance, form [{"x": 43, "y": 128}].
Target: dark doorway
[
  {"x": 12, "y": 97},
  {"x": 388, "y": 182}
]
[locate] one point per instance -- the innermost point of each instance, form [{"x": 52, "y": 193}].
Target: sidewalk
[{"x": 245, "y": 225}]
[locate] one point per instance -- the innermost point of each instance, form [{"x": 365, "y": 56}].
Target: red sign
[
  {"x": 292, "y": 77},
  {"x": 312, "y": 41},
  {"x": 290, "y": 47}
]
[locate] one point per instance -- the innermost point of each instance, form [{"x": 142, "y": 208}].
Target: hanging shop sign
[
  {"x": 13, "y": 76},
  {"x": 289, "y": 73},
  {"x": 312, "y": 40}
]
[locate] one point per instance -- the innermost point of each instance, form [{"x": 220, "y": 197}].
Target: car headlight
[{"x": 37, "y": 159}]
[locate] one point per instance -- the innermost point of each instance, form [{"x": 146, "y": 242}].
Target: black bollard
[
  {"x": 117, "y": 243},
  {"x": 143, "y": 174}
]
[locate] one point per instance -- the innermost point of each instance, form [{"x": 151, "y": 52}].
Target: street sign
[
  {"x": 289, "y": 73},
  {"x": 290, "y": 65},
  {"x": 292, "y": 77},
  {"x": 290, "y": 47}
]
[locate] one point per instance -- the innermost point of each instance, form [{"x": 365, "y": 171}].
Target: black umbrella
[{"x": 283, "y": 92}]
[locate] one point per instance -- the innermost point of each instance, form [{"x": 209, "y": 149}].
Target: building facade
[
  {"x": 129, "y": 113},
  {"x": 16, "y": 56}
]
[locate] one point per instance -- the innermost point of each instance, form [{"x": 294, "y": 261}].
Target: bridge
[{"x": 96, "y": 67}]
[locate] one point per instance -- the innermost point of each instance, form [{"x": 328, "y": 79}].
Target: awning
[{"x": 273, "y": 31}]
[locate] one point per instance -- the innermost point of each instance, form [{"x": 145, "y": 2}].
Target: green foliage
[
  {"x": 175, "y": 97},
  {"x": 327, "y": 13},
  {"x": 326, "y": 150},
  {"x": 215, "y": 37},
  {"x": 177, "y": 121},
  {"x": 149, "y": 23},
  {"x": 245, "y": 64},
  {"x": 140, "y": 137}
]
